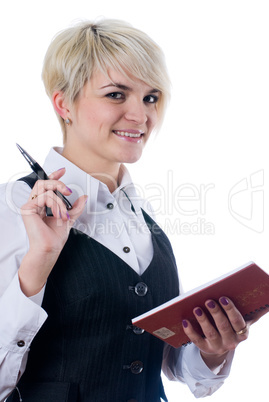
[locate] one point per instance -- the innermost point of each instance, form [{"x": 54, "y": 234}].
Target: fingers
[
  {"x": 78, "y": 208},
  {"x": 235, "y": 317},
  {"x": 222, "y": 327},
  {"x": 41, "y": 186},
  {"x": 38, "y": 203},
  {"x": 50, "y": 200},
  {"x": 44, "y": 194},
  {"x": 205, "y": 335}
]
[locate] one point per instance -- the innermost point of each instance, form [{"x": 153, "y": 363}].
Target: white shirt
[{"x": 115, "y": 228}]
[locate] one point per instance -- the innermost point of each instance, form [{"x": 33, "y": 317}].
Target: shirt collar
[
  {"x": 76, "y": 177},
  {"x": 82, "y": 183}
]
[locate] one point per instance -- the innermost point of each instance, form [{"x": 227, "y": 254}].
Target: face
[{"x": 112, "y": 120}]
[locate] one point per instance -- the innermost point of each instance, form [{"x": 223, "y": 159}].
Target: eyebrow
[{"x": 125, "y": 88}]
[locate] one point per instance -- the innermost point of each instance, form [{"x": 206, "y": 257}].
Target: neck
[{"x": 102, "y": 170}]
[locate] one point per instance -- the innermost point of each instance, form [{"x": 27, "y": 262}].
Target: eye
[
  {"x": 151, "y": 99},
  {"x": 115, "y": 95}
]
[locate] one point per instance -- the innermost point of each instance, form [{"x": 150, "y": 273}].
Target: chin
[{"x": 131, "y": 157}]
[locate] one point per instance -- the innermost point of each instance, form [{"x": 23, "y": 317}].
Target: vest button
[
  {"x": 136, "y": 367},
  {"x": 126, "y": 249},
  {"x": 138, "y": 331},
  {"x": 110, "y": 205},
  {"x": 20, "y": 344},
  {"x": 141, "y": 289}
]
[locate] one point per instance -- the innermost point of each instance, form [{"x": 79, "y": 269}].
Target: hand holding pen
[
  {"x": 41, "y": 174},
  {"x": 47, "y": 235}
]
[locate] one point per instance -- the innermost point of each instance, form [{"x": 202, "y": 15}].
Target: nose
[{"x": 136, "y": 112}]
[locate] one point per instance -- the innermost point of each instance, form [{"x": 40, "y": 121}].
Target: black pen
[{"x": 41, "y": 174}]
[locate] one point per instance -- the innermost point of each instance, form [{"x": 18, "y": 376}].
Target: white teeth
[{"x": 126, "y": 134}]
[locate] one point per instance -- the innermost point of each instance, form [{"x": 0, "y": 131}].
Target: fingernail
[
  {"x": 68, "y": 216},
  {"x": 60, "y": 169},
  {"x": 224, "y": 301},
  {"x": 211, "y": 304},
  {"x": 69, "y": 189},
  {"x": 185, "y": 324},
  {"x": 198, "y": 312}
]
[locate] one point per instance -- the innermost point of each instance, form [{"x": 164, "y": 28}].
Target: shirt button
[
  {"x": 136, "y": 367},
  {"x": 141, "y": 289},
  {"x": 110, "y": 205},
  {"x": 20, "y": 344},
  {"x": 126, "y": 249}
]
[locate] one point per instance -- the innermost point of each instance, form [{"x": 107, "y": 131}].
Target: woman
[{"x": 72, "y": 282}]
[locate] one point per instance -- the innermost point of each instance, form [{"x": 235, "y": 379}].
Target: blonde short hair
[{"x": 77, "y": 51}]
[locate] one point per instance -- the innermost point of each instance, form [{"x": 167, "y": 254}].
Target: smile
[{"x": 127, "y": 134}]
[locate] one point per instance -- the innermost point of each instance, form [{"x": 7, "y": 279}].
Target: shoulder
[
  {"x": 13, "y": 237},
  {"x": 12, "y": 196}
]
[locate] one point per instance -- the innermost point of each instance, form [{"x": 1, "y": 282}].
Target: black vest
[{"x": 88, "y": 350}]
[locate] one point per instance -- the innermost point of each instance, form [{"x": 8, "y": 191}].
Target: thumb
[
  {"x": 57, "y": 174},
  {"x": 77, "y": 209}
]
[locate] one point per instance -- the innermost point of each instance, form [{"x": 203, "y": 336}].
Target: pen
[{"x": 41, "y": 174}]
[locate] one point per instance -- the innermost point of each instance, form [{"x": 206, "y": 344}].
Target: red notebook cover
[{"x": 247, "y": 287}]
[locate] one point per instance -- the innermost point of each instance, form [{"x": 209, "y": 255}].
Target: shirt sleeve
[
  {"x": 21, "y": 317},
  {"x": 186, "y": 365},
  {"x": 22, "y": 320}
]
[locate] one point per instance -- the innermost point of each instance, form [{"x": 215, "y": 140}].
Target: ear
[{"x": 60, "y": 105}]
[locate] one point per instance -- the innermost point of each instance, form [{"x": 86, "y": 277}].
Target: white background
[{"x": 212, "y": 148}]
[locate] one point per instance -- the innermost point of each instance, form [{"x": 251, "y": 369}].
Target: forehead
[{"x": 117, "y": 79}]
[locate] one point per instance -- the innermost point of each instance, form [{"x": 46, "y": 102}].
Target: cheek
[
  {"x": 101, "y": 116},
  {"x": 88, "y": 118},
  {"x": 154, "y": 118}
]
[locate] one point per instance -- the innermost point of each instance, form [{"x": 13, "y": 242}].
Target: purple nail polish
[
  {"x": 60, "y": 169},
  {"x": 198, "y": 312},
  {"x": 69, "y": 189},
  {"x": 68, "y": 216},
  {"x": 185, "y": 324},
  {"x": 224, "y": 301},
  {"x": 211, "y": 304}
]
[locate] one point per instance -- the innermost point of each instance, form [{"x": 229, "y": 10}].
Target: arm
[
  {"x": 205, "y": 364},
  {"x": 24, "y": 270},
  {"x": 47, "y": 235},
  {"x": 186, "y": 365},
  {"x": 21, "y": 319}
]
